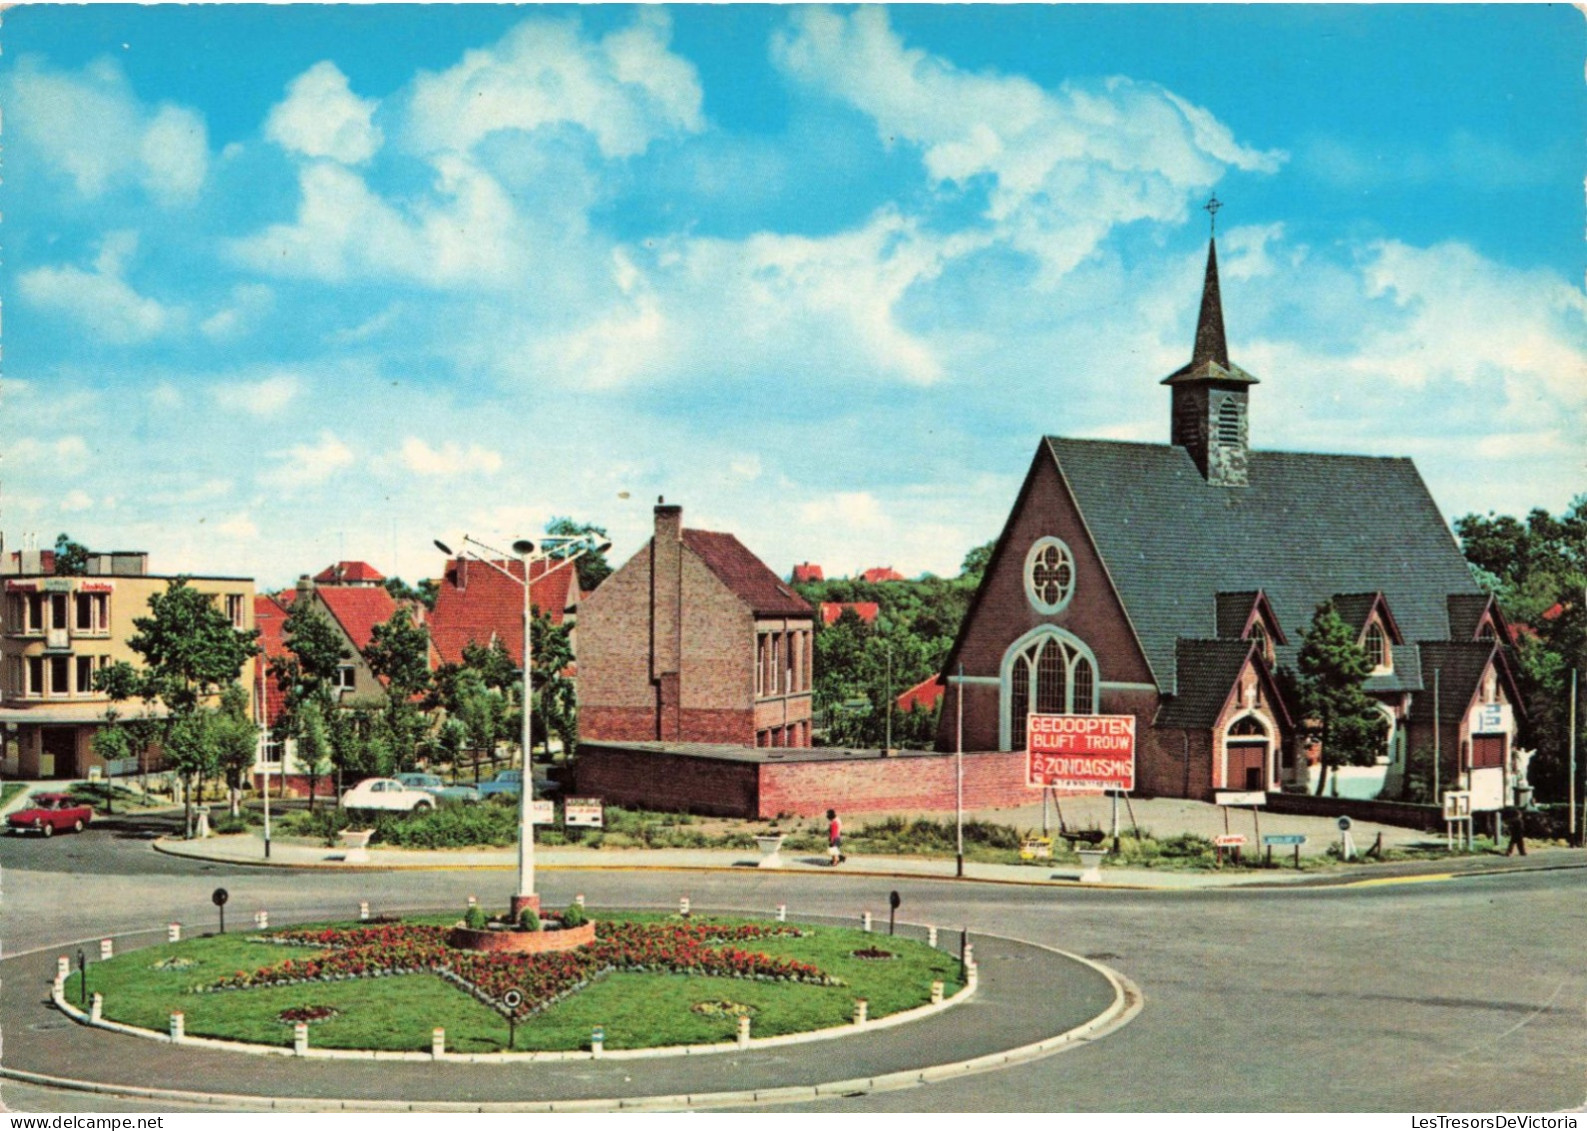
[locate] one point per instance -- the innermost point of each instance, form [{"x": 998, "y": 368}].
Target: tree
[
  {"x": 593, "y": 567},
  {"x": 1538, "y": 571},
  {"x": 399, "y": 653},
  {"x": 976, "y": 561},
  {"x": 1334, "y": 708},
  {"x": 190, "y": 651},
  {"x": 556, "y": 706},
  {"x": 314, "y": 746},
  {"x": 424, "y": 593},
  {"x": 71, "y": 558},
  {"x": 306, "y": 677},
  {"x": 236, "y": 741},
  {"x": 189, "y": 647}
]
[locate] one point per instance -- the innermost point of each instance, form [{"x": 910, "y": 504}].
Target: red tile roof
[
  {"x": 924, "y": 694},
  {"x": 746, "y": 575},
  {"x": 807, "y": 571},
  {"x": 347, "y": 573},
  {"x": 477, "y": 604},
  {"x": 865, "y": 610},
  {"x": 882, "y": 573},
  {"x": 358, "y": 610},
  {"x": 270, "y": 617}
]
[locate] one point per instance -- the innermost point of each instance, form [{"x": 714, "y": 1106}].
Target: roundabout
[{"x": 997, "y": 1025}]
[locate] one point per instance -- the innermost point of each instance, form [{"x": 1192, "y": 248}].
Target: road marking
[{"x": 1385, "y": 881}]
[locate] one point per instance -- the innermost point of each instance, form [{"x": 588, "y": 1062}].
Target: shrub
[
  {"x": 574, "y": 916},
  {"x": 528, "y": 920},
  {"x": 475, "y": 918}
]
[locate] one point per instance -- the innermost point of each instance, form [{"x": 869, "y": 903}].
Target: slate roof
[
  {"x": 477, "y": 604},
  {"x": 1308, "y": 527},
  {"x": 1210, "y": 357},
  {"x": 1207, "y": 670},
  {"x": 746, "y": 575},
  {"x": 1465, "y": 614},
  {"x": 1460, "y": 665}
]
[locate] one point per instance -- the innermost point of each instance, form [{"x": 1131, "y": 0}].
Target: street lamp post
[{"x": 524, "y": 551}]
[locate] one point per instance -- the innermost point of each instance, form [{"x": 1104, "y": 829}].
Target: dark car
[{"x": 49, "y": 812}]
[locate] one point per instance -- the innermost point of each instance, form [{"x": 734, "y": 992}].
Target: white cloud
[
  {"x": 322, "y": 117},
  {"x": 67, "y": 449},
  {"x": 76, "y": 500},
  {"x": 238, "y": 526},
  {"x": 306, "y": 464},
  {"x": 451, "y": 459},
  {"x": 1064, "y": 167},
  {"x": 249, "y": 301},
  {"x": 101, "y": 299},
  {"x": 265, "y": 397},
  {"x": 89, "y": 126},
  {"x": 468, "y": 236},
  {"x": 626, "y": 89}
]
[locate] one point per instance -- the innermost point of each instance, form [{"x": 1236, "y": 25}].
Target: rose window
[{"x": 1049, "y": 575}]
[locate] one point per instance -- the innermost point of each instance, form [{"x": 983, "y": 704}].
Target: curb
[
  {"x": 1127, "y": 1004},
  {"x": 1307, "y": 883}
]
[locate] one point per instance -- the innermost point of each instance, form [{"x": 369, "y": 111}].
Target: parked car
[
  {"x": 435, "y": 787},
  {"x": 50, "y": 812},
  {"x": 387, "y": 793},
  {"x": 510, "y": 782},
  {"x": 505, "y": 781}
]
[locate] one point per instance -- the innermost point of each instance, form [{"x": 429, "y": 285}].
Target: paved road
[{"x": 1463, "y": 994}]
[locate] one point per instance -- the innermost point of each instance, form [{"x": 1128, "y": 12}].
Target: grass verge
[{"x": 637, "y": 1010}]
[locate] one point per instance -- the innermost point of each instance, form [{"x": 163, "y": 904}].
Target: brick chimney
[{"x": 666, "y": 617}]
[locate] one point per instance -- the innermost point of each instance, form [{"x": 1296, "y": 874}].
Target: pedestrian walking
[{"x": 835, "y": 838}]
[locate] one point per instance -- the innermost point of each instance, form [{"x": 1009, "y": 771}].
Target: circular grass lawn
[{"x": 647, "y": 1008}]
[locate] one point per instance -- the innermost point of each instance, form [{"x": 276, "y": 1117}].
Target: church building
[{"x": 1172, "y": 581}]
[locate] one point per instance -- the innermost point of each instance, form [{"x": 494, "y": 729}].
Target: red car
[{"x": 49, "y": 812}]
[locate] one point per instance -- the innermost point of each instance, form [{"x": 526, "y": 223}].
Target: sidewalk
[{"x": 303, "y": 853}]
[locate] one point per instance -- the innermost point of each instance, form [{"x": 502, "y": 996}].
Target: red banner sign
[{"x": 1081, "y": 751}]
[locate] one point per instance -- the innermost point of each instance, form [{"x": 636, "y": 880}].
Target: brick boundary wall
[
  {"x": 644, "y": 779},
  {"x": 992, "y": 780}
]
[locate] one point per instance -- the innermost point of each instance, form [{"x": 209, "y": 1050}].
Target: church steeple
[{"x": 1211, "y": 395}]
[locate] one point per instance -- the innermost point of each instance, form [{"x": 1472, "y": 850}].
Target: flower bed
[{"x": 542, "y": 979}]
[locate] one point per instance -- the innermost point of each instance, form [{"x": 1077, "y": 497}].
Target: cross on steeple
[{"x": 1212, "y": 206}]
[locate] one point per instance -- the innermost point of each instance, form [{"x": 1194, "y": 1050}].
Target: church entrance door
[{"x": 1247, "y": 765}]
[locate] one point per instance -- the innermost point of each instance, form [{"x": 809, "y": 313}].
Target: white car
[{"x": 387, "y": 793}]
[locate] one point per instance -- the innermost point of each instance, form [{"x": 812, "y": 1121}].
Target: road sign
[
  {"x": 1344, "y": 824},
  {"x": 1229, "y": 840},
  {"x": 542, "y": 812},
  {"x": 583, "y": 812},
  {"x": 1251, "y": 797},
  {"x": 1457, "y": 805},
  {"x": 1094, "y": 752},
  {"x": 1275, "y": 839}
]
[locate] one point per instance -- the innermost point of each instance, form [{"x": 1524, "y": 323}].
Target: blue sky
[{"x": 288, "y": 284}]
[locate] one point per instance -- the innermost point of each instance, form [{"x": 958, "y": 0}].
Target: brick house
[
  {"x": 695, "y": 640},
  {"x": 1171, "y": 581}
]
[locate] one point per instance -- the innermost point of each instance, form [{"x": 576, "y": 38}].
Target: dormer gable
[
  {"x": 1248, "y": 615},
  {"x": 1377, "y": 634},
  {"x": 1477, "y": 616}
]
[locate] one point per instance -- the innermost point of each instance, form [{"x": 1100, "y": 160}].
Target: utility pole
[
  {"x": 1574, "y": 827},
  {"x": 959, "y": 778},
  {"x": 1438, "y": 796}
]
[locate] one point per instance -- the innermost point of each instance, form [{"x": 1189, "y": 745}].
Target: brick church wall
[{"x": 1003, "y": 614}]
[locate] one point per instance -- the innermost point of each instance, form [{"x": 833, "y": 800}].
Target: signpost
[
  {"x": 1081, "y": 752},
  {"x": 219, "y": 898},
  {"x": 1294, "y": 840},
  {"x": 542, "y": 811},
  {"x": 582, "y": 812},
  {"x": 1457, "y": 819},
  {"x": 1231, "y": 841},
  {"x": 1347, "y": 846},
  {"x": 1253, "y": 799}
]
